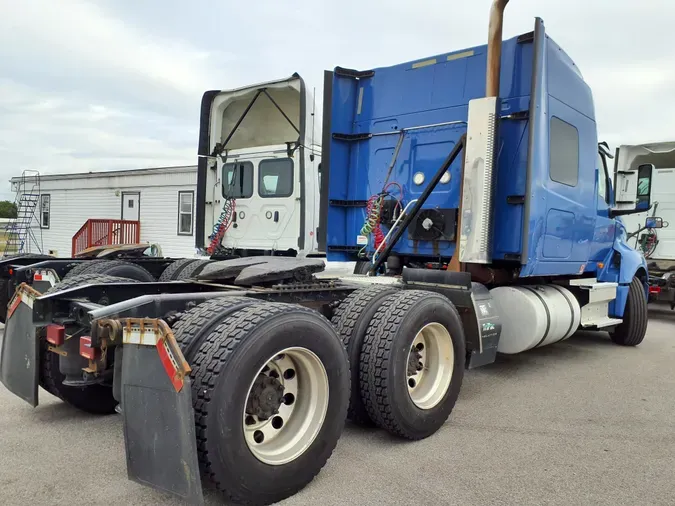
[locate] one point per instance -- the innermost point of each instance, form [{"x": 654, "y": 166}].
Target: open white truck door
[
  {"x": 262, "y": 168},
  {"x": 662, "y": 156}
]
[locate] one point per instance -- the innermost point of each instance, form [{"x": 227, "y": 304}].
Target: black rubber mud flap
[
  {"x": 488, "y": 325},
  {"x": 19, "y": 359},
  {"x": 159, "y": 426}
]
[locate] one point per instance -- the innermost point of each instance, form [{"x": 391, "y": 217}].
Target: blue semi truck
[{"x": 471, "y": 188}]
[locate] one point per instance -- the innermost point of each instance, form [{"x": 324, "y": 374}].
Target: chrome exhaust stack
[{"x": 494, "y": 49}]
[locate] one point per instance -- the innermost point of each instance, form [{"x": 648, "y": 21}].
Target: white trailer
[{"x": 653, "y": 236}]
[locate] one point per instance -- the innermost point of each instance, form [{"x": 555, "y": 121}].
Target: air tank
[{"x": 534, "y": 316}]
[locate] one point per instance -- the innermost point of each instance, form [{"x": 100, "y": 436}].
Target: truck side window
[
  {"x": 564, "y": 152},
  {"x": 238, "y": 180},
  {"x": 275, "y": 177}
]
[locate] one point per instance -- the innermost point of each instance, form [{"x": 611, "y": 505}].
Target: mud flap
[
  {"x": 488, "y": 324},
  {"x": 20, "y": 354},
  {"x": 159, "y": 426}
]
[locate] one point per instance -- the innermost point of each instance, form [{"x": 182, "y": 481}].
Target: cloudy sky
[{"x": 111, "y": 84}]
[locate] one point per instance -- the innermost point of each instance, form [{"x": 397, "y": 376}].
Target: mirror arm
[{"x": 623, "y": 212}]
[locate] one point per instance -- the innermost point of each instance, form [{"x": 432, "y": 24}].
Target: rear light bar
[
  {"x": 56, "y": 334},
  {"x": 86, "y": 349}
]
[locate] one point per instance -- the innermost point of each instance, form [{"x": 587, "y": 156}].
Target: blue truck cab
[{"x": 530, "y": 199}]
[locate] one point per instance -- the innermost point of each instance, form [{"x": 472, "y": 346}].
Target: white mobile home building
[{"x": 161, "y": 199}]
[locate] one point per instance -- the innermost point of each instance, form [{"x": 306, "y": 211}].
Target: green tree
[{"x": 7, "y": 209}]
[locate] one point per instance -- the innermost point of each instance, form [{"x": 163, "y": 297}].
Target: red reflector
[
  {"x": 169, "y": 363},
  {"x": 85, "y": 348},
  {"x": 37, "y": 277},
  {"x": 56, "y": 334},
  {"x": 654, "y": 289}
]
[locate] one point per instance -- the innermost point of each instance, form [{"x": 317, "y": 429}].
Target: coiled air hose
[{"x": 222, "y": 224}]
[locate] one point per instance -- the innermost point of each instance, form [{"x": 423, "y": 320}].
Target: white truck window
[
  {"x": 238, "y": 180},
  {"x": 275, "y": 177}
]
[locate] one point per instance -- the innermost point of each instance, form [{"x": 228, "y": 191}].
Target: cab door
[{"x": 266, "y": 194}]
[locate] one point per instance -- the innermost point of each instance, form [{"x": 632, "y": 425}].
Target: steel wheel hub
[
  {"x": 430, "y": 365},
  {"x": 286, "y": 406}
]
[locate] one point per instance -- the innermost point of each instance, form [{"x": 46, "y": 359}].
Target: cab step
[{"x": 594, "y": 313}]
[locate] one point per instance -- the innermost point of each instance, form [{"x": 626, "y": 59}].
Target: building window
[
  {"x": 275, "y": 177},
  {"x": 45, "y": 214},
  {"x": 564, "y": 153},
  {"x": 238, "y": 180},
  {"x": 185, "y": 211}
]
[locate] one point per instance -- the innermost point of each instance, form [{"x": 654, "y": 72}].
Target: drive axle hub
[{"x": 266, "y": 397}]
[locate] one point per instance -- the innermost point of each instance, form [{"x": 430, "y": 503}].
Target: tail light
[
  {"x": 86, "y": 349},
  {"x": 56, "y": 334},
  {"x": 655, "y": 290}
]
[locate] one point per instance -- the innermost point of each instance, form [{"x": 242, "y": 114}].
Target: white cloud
[{"x": 107, "y": 84}]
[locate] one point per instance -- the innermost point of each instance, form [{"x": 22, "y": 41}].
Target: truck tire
[
  {"x": 87, "y": 279},
  {"x": 351, "y": 320},
  {"x": 191, "y": 270},
  {"x": 121, "y": 269},
  {"x": 81, "y": 268},
  {"x": 412, "y": 363},
  {"x": 38, "y": 256},
  {"x": 173, "y": 270},
  {"x": 632, "y": 330},
  {"x": 197, "y": 323},
  {"x": 362, "y": 267},
  {"x": 258, "y": 360},
  {"x": 95, "y": 399}
]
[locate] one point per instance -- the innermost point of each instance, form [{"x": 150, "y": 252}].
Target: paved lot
[{"x": 584, "y": 422}]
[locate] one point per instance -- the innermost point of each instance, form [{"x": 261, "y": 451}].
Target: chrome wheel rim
[
  {"x": 431, "y": 362},
  {"x": 285, "y": 406}
]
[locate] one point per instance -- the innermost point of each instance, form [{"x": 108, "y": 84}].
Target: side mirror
[
  {"x": 654, "y": 222},
  {"x": 644, "y": 187},
  {"x": 633, "y": 190}
]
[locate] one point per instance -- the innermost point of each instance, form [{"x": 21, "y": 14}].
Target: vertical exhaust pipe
[{"x": 494, "y": 47}]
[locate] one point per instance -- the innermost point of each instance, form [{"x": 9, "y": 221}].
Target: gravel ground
[{"x": 582, "y": 422}]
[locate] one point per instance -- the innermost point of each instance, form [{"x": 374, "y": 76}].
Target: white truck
[
  {"x": 259, "y": 164},
  {"x": 650, "y": 229}
]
